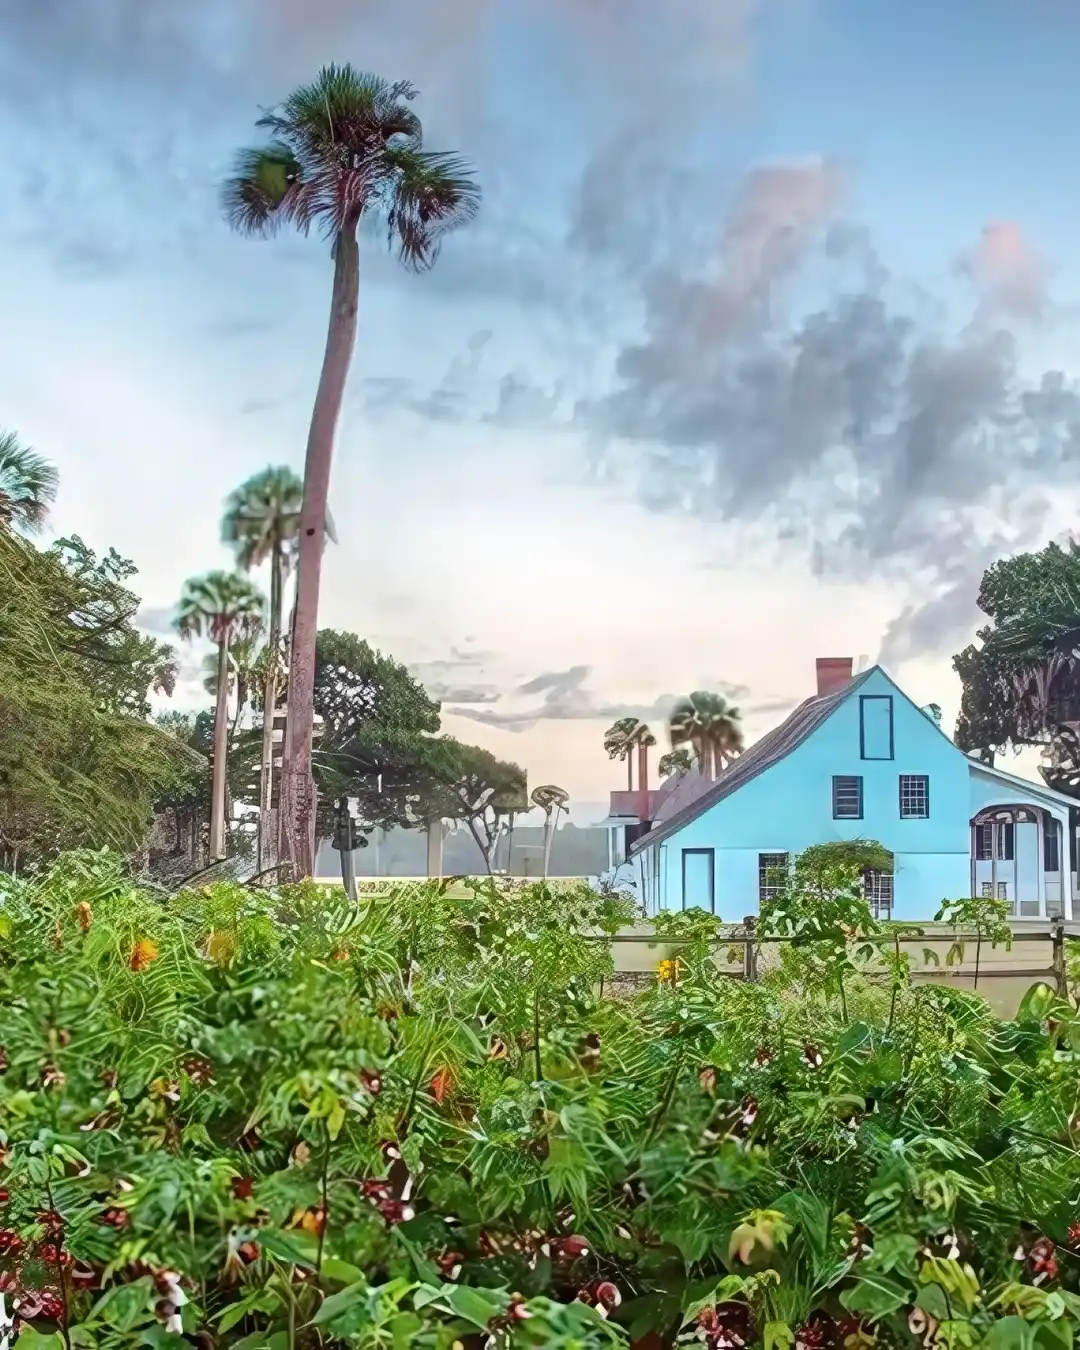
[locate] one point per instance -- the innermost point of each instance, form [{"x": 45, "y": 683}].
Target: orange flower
[
  {"x": 85, "y": 915},
  {"x": 442, "y": 1085},
  {"x": 311, "y": 1220},
  {"x": 142, "y": 954},
  {"x": 340, "y": 954}
]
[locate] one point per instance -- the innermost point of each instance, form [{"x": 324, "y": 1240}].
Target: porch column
[
  {"x": 435, "y": 849},
  {"x": 1040, "y": 859}
]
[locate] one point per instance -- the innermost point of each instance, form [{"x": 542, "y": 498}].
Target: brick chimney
[{"x": 833, "y": 674}]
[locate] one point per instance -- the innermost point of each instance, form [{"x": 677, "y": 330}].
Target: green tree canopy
[
  {"x": 80, "y": 764},
  {"x": 1021, "y": 678},
  {"x": 378, "y": 721}
]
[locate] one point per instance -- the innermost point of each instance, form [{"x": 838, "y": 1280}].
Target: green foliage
[
  {"x": 1018, "y": 683},
  {"x": 820, "y": 905},
  {"x": 985, "y": 915},
  {"x": 277, "y": 1120},
  {"x": 79, "y": 762}
]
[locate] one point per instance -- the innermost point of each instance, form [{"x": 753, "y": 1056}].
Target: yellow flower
[
  {"x": 142, "y": 954},
  {"x": 668, "y": 972},
  {"x": 220, "y": 947}
]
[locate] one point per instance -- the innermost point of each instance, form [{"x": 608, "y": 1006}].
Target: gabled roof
[
  {"x": 1029, "y": 784},
  {"x": 762, "y": 755}
]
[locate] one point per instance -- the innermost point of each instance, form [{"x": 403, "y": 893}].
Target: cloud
[
  {"x": 157, "y": 620},
  {"x": 1010, "y": 277},
  {"x": 864, "y": 431},
  {"x": 567, "y": 699}
]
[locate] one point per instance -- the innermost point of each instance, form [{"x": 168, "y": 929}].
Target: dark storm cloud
[{"x": 866, "y": 429}]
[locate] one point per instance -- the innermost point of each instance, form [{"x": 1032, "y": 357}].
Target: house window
[
  {"x": 878, "y": 889},
  {"x": 772, "y": 871},
  {"x": 1003, "y": 890},
  {"x": 1051, "y": 851},
  {"x": 847, "y": 798},
  {"x": 995, "y": 841},
  {"x": 988, "y": 890},
  {"x": 914, "y": 796},
  {"x": 876, "y": 726}
]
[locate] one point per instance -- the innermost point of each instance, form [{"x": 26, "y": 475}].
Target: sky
[{"x": 762, "y": 347}]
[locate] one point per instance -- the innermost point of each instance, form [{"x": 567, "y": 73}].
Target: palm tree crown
[
  {"x": 263, "y": 514},
  {"x": 345, "y": 146},
  {"x": 549, "y": 797},
  {"x": 711, "y": 725},
  {"x": 222, "y": 606},
  {"x": 27, "y": 485}
]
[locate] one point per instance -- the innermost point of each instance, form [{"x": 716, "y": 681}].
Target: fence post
[
  {"x": 1060, "y": 972},
  {"x": 750, "y": 950}
]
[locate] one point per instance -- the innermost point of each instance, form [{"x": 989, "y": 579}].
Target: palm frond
[
  {"x": 28, "y": 485},
  {"x": 264, "y": 184},
  {"x": 432, "y": 194}
]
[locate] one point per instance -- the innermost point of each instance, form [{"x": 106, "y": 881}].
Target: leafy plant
[
  {"x": 284, "y": 1119},
  {"x": 987, "y": 915}
]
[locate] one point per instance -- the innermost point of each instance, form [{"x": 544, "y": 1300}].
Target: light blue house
[{"x": 859, "y": 760}]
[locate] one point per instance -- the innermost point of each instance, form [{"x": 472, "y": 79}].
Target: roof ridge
[{"x": 802, "y": 721}]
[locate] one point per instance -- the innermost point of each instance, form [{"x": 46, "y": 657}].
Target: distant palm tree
[
  {"x": 677, "y": 762},
  {"x": 625, "y": 737},
  {"x": 618, "y": 745},
  {"x": 27, "y": 486},
  {"x": 344, "y": 147},
  {"x": 262, "y": 522},
  {"x": 225, "y": 608},
  {"x": 711, "y": 725},
  {"x": 552, "y": 800}
]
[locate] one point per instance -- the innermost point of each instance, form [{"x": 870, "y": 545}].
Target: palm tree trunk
[
  {"x": 643, "y": 767},
  {"x": 221, "y": 753},
  {"x": 267, "y": 832},
  {"x": 297, "y": 785},
  {"x": 548, "y": 832},
  {"x": 629, "y": 770}
]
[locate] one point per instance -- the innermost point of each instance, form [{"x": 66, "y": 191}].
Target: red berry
[
  {"x": 10, "y": 1242},
  {"x": 115, "y": 1217},
  {"x": 242, "y": 1187}
]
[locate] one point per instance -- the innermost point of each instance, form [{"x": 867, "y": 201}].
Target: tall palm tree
[
  {"x": 262, "y": 522},
  {"x": 27, "y": 486},
  {"x": 711, "y": 725},
  {"x": 226, "y": 608},
  {"x": 345, "y": 147},
  {"x": 552, "y": 800}
]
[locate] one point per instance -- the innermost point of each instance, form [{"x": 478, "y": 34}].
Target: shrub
[{"x": 280, "y": 1119}]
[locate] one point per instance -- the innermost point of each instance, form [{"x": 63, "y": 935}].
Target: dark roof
[{"x": 762, "y": 755}]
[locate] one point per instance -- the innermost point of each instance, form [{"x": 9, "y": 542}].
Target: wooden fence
[{"x": 939, "y": 954}]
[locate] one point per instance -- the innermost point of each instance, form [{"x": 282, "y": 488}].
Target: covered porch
[{"x": 1022, "y": 853}]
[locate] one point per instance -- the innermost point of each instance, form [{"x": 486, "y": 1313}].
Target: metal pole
[
  {"x": 750, "y": 972},
  {"x": 1061, "y": 977},
  {"x": 344, "y": 843}
]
